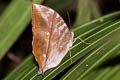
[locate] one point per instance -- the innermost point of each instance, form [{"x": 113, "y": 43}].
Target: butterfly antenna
[
  {"x": 70, "y": 56},
  {"x": 69, "y": 20}
]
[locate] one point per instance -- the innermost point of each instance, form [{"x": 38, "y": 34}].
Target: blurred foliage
[
  {"x": 57, "y": 4},
  {"x": 13, "y": 22},
  {"x": 97, "y": 61},
  {"x": 87, "y": 10},
  {"x": 83, "y": 8}
]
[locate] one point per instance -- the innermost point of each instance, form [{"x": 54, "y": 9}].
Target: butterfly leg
[
  {"x": 70, "y": 55},
  {"x": 83, "y": 41}
]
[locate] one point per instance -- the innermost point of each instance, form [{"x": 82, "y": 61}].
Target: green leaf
[
  {"x": 83, "y": 12},
  {"x": 86, "y": 11},
  {"x": 13, "y": 22},
  {"x": 102, "y": 33}
]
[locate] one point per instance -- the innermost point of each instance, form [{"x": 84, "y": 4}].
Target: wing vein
[{"x": 48, "y": 50}]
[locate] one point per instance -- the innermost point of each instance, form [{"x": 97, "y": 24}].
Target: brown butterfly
[{"x": 51, "y": 37}]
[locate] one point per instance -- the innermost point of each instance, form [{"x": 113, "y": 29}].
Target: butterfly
[{"x": 52, "y": 38}]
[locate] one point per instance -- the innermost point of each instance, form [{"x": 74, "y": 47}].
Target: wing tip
[{"x": 40, "y": 72}]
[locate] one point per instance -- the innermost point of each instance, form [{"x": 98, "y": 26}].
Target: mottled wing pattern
[
  {"x": 42, "y": 22},
  {"x": 61, "y": 39},
  {"x": 51, "y": 37}
]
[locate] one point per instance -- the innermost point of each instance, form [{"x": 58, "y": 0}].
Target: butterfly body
[{"x": 51, "y": 37}]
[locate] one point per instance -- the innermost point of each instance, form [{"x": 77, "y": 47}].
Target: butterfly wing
[{"x": 51, "y": 37}]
